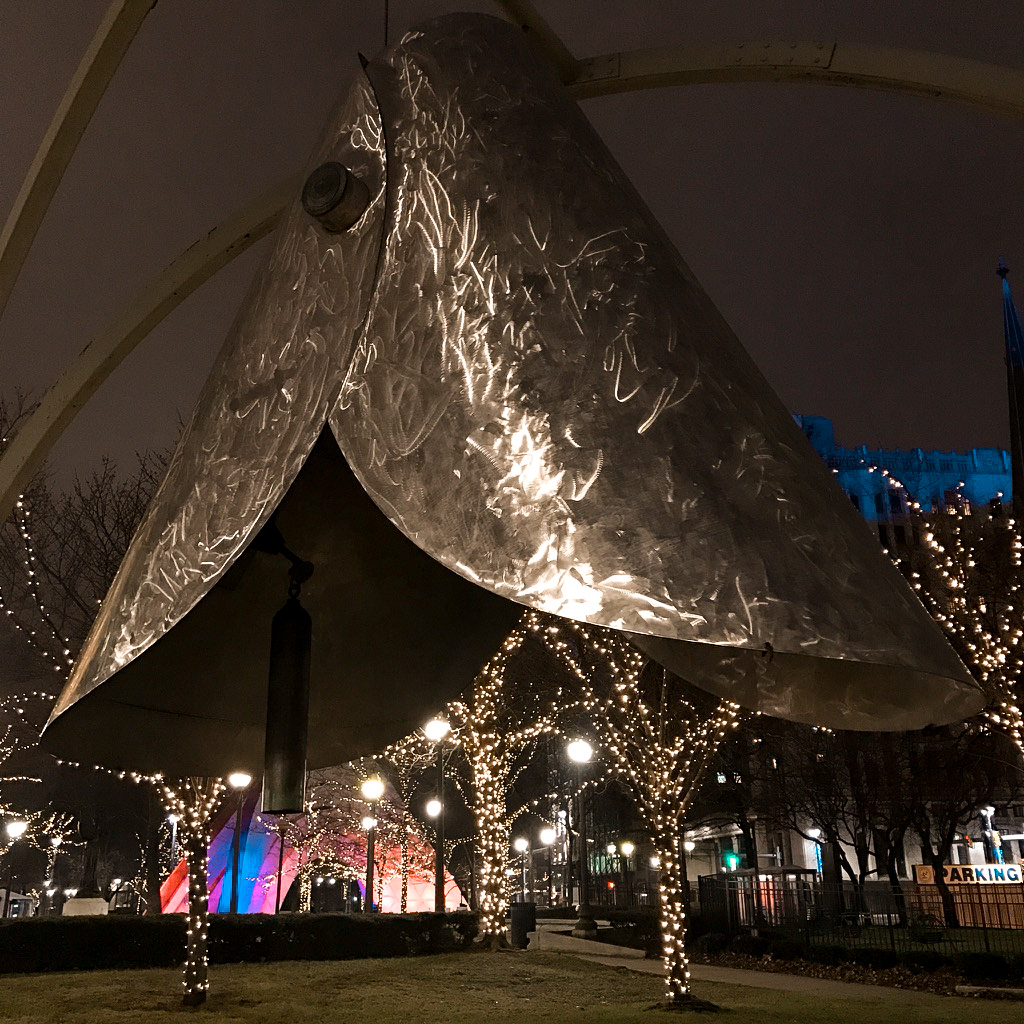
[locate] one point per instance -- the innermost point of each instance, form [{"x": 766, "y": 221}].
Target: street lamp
[
  {"x": 372, "y": 789},
  {"x": 435, "y": 730},
  {"x": 15, "y": 830},
  {"x": 548, "y": 837},
  {"x": 173, "y": 819},
  {"x": 815, "y": 834},
  {"x": 626, "y": 849},
  {"x": 239, "y": 781},
  {"x": 521, "y": 845},
  {"x": 580, "y": 753}
]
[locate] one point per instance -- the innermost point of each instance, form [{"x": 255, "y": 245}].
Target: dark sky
[{"x": 849, "y": 237}]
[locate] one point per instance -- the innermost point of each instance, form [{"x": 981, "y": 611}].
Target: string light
[
  {"x": 969, "y": 579},
  {"x": 194, "y": 800},
  {"x": 495, "y": 729},
  {"x": 661, "y": 752}
]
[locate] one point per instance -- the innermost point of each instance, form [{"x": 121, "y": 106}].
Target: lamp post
[
  {"x": 580, "y": 753},
  {"x": 548, "y": 837},
  {"x": 521, "y": 845},
  {"x": 173, "y": 819},
  {"x": 435, "y": 730},
  {"x": 239, "y": 781},
  {"x": 815, "y": 834},
  {"x": 372, "y": 789},
  {"x": 626, "y": 849},
  {"x": 612, "y": 850},
  {"x": 282, "y": 824},
  {"x": 15, "y": 830}
]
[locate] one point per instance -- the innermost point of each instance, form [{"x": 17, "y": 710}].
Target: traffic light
[{"x": 730, "y": 860}]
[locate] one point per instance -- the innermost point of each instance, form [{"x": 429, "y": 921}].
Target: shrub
[
  {"x": 90, "y": 943},
  {"x": 708, "y": 944},
  {"x": 71, "y": 943},
  {"x": 830, "y": 956},
  {"x": 982, "y": 966},
  {"x": 923, "y": 961},
  {"x": 1015, "y": 967},
  {"x": 876, "y": 959},
  {"x": 641, "y": 926},
  {"x": 786, "y": 949},
  {"x": 749, "y": 945}
]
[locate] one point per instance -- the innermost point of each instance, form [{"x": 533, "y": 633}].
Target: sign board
[{"x": 986, "y": 874}]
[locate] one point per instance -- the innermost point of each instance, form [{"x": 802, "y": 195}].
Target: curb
[{"x": 990, "y": 991}]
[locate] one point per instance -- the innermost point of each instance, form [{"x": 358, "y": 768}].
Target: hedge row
[
  {"x": 91, "y": 943},
  {"x": 991, "y": 967}
]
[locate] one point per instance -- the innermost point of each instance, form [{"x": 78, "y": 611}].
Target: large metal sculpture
[{"x": 545, "y": 408}]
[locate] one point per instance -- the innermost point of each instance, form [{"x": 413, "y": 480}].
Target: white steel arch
[
  {"x": 936, "y": 76},
  {"x": 95, "y": 70}
]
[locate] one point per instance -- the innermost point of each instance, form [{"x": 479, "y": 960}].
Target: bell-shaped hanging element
[
  {"x": 284, "y": 759},
  {"x": 542, "y": 404}
]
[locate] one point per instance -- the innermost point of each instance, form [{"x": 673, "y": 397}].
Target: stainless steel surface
[
  {"x": 532, "y": 386},
  {"x": 258, "y": 416},
  {"x": 546, "y": 401}
]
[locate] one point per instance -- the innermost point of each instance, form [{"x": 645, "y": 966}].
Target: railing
[{"x": 979, "y": 918}]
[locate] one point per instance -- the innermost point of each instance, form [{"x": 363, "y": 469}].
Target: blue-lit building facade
[
  {"x": 937, "y": 481},
  {"x": 883, "y": 483}
]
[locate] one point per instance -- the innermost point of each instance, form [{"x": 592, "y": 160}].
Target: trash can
[{"x": 524, "y": 920}]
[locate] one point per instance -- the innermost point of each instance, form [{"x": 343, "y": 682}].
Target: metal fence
[{"x": 981, "y": 918}]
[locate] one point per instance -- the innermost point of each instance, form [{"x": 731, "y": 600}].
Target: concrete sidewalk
[{"x": 634, "y": 960}]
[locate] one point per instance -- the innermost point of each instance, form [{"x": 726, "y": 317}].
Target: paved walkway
[
  {"x": 612, "y": 956},
  {"x": 763, "y": 979}
]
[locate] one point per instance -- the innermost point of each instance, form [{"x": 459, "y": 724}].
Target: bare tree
[
  {"x": 406, "y": 762},
  {"x": 59, "y": 552},
  {"x": 967, "y": 571},
  {"x": 518, "y": 697},
  {"x": 657, "y": 736}
]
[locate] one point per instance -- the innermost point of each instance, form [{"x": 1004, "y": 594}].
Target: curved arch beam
[
  {"x": 934, "y": 75},
  {"x": 96, "y": 69},
  {"x": 75, "y": 386}
]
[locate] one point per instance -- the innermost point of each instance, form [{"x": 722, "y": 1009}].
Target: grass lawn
[{"x": 523, "y": 987}]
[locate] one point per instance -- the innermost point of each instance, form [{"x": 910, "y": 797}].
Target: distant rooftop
[{"x": 935, "y": 480}]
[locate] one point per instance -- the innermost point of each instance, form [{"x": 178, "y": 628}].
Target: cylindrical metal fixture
[
  {"x": 439, "y": 852},
  {"x": 335, "y": 196},
  {"x": 371, "y": 836},
  {"x": 284, "y": 759}
]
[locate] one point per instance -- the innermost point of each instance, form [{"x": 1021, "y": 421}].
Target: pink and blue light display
[{"x": 259, "y": 859}]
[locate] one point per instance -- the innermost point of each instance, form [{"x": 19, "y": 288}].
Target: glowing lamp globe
[
  {"x": 372, "y": 789},
  {"x": 436, "y": 729},
  {"x": 580, "y": 751}
]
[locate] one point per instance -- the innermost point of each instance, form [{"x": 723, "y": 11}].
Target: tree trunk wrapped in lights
[
  {"x": 657, "y": 736},
  {"x": 405, "y": 763},
  {"x": 194, "y": 800},
  {"x": 672, "y": 915}
]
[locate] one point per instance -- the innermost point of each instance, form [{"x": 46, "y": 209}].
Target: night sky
[{"x": 849, "y": 237}]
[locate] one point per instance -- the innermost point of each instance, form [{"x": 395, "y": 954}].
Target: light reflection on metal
[
  {"x": 531, "y": 385},
  {"x": 546, "y": 400}
]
